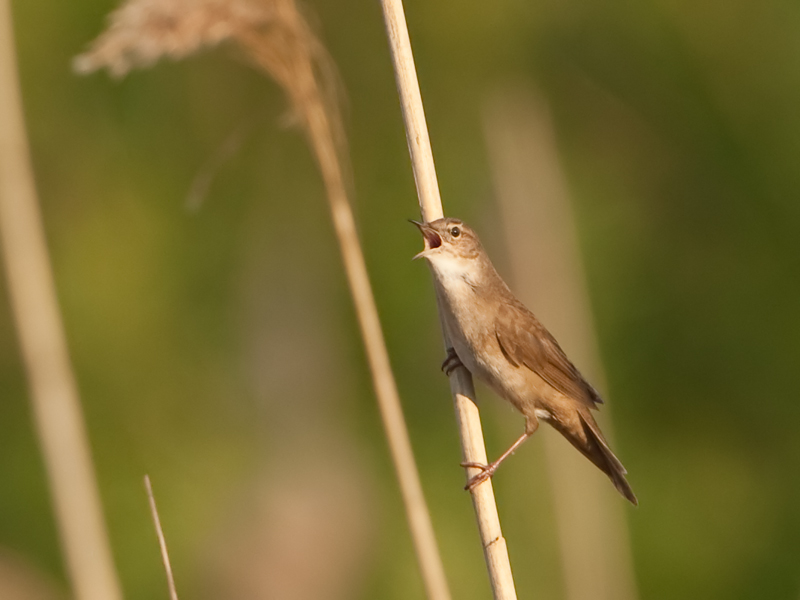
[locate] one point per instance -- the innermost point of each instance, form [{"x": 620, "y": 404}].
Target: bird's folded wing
[{"x": 524, "y": 341}]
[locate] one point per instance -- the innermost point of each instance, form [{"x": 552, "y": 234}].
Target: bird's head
[{"x": 451, "y": 247}]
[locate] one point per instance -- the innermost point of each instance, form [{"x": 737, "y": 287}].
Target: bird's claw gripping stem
[
  {"x": 486, "y": 473},
  {"x": 451, "y": 362}
]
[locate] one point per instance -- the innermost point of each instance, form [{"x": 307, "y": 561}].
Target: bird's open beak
[{"x": 431, "y": 238}]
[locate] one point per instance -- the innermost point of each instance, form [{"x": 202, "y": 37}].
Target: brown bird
[{"x": 504, "y": 345}]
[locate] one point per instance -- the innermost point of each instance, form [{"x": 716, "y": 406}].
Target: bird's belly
[
  {"x": 472, "y": 335},
  {"x": 484, "y": 359}
]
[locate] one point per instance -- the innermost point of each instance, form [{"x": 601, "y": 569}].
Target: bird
[{"x": 499, "y": 341}]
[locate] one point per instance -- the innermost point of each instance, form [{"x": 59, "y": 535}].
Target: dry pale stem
[
  {"x": 277, "y": 38},
  {"x": 162, "y": 542},
  {"x": 54, "y": 394},
  {"x": 467, "y": 416}
]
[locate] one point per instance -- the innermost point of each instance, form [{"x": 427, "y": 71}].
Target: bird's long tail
[{"x": 593, "y": 446}]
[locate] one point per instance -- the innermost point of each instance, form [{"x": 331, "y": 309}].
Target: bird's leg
[
  {"x": 452, "y": 362},
  {"x": 488, "y": 470}
]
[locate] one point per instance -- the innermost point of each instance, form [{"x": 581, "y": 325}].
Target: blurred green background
[{"x": 216, "y": 347}]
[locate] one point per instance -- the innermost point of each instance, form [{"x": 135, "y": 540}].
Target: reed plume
[{"x": 277, "y": 38}]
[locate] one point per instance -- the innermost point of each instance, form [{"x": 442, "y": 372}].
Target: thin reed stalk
[
  {"x": 467, "y": 414},
  {"x": 162, "y": 542},
  {"x": 54, "y": 394},
  {"x": 277, "y": 38}
]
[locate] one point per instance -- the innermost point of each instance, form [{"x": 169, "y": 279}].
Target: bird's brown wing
[{"x": 525, "y": 342}]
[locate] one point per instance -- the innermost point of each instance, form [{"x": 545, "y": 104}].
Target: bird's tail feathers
[{"x": 602, "y": 456}]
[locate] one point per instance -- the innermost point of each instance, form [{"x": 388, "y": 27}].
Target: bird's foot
[
  {"x": 452, "y": 362},
  {"x": 486, "y": 473}
]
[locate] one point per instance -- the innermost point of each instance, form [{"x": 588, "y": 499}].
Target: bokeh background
[{"x": 216, "y": 347}]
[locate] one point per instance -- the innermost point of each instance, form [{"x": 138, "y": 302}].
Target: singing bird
[{"x": 504, "y": 345}]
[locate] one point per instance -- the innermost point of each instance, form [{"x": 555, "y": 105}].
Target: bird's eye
[{"x": 455, "y": 232}]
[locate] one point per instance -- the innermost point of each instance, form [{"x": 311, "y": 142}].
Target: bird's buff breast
[{"x": 470, "y": 324}]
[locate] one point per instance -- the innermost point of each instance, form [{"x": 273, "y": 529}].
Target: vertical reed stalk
[
  {"x": 54, "y": 394},
  {"x": 467, "y": 414},
  {"x": 537, "y": 214}
]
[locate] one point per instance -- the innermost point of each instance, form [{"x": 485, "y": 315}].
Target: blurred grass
[{"x": 678, "y": 127}]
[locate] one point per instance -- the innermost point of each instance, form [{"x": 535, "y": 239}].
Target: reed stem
[
  {"x": 56, "y": 405},
  {"x": 467, "y": 414}
]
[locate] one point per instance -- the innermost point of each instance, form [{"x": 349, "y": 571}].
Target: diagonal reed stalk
[
  {"x": 54, "y": 393},
  {"x": 467, "y": 414},
  {"x": 277, "y": 38},
  {"x": 162, "y": 542}
]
